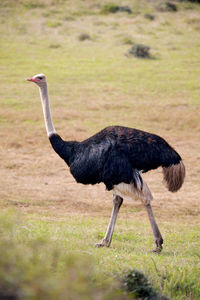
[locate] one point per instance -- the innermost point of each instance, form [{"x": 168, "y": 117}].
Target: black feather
[{"x": 115, "y": 155}]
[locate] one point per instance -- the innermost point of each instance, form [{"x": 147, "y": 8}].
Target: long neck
[{"x": 46, "y": 110}]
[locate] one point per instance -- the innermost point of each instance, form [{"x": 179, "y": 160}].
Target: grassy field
[{"x": 49, "y": 223}]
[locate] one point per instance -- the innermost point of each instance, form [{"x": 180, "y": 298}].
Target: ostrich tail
[{"x": 174, "y": 176}]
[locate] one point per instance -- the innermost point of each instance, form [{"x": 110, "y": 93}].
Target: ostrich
[{"x": 116, "y": 156}]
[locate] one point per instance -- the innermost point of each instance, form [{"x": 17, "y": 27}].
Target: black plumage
[{"x": 115, "y": 154}]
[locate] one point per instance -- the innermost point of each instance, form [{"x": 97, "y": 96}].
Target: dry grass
[{"x": 37, "y": 180}]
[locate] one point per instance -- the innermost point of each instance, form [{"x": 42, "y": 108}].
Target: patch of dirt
[{"x": 34, "y": 179}]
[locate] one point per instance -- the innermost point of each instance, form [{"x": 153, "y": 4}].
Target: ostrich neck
[{"x": 46, "y": 110}]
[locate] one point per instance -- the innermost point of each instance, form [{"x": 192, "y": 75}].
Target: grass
[
  {"x": 58, "y": 251},
  {"x": 33, "y": 267},
  {"x": 93, "y": 84}
]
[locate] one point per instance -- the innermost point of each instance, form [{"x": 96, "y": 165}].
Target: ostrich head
[{"x": 39, "y": 79}]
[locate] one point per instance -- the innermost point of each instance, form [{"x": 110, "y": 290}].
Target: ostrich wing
[
  {"x": 117, "y": 169},
  {"x": 102, "y": 162}
]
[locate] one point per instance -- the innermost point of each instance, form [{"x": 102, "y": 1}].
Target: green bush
[
  {"x": 149, "y": 17},
  {"x": 111, "y": 8},
  {"x": 84, "y": 36},
  {"x": 167, "y": 7},
  {"x": 35, "y": 267},
  {"x": 139, "y": 50},
  {"x": 136, "y": 284}
]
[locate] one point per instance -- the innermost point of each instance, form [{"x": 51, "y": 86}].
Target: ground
[{"x": 93, "y": 84}]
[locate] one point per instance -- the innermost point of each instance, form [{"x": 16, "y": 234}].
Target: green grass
[
  {"x": 93, "y": 84},
  {"x": 35, "y": 266},
  {"x": 43, "y": 259}
]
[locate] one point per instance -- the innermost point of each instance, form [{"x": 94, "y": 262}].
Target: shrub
[
  {"x": 84, "y": 36},
  {"x": 111, "y": 8},
  {"x": 54, "y": 46},
  {"x": 166, "y": 7},
  {"x": 149, "y": 17},
  {"x": 139, "y": 50},
  {"x": 125, "y": 8},
  {"x": 34, "y": 266},
  {"x": 136, "y": 284}
]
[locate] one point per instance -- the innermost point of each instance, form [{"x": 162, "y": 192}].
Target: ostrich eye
[{"x": 39, "y": 77}]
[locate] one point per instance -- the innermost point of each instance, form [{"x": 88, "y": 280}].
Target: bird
[{"x": 116, "y": 156}]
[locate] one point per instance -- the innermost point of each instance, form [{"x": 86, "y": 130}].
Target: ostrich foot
[
  {"x": 104, "y": 243},
  {"x": 159, "y": 242},
  {"x": 157, "y": 250}
]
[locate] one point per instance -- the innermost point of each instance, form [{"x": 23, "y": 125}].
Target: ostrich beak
[{"x": 32, "y": 79}]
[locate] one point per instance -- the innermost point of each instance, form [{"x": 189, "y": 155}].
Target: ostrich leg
[
  {"x": 117, "y": 202},
  {"x": 156, "y": 232}
]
